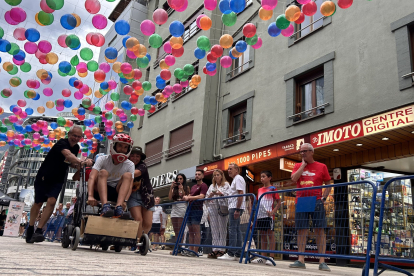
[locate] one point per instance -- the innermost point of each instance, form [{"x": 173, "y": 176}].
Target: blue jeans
[{"x": 235, "y": 234}]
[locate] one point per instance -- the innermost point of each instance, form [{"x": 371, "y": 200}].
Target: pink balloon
[
  {"x": 45, "y": 7},
  {"x": 184, "y": 7},
  {"x": 81, "y": 67},
  {"x": 48, "y": 92},
  {"x": 18, "y": 34},
  {"x": 60, "y": 102},
  {"x": 147, "y": 27},
  {"x": 160, "y": 16},
  {"x": 84, "y": 89},
  {"x": 18, "y": 62},
  {"x": 99, "y": 21},
  {"x": 303, "y": 2},
  {"x": 9, "y": 19},
  {"x": 78, "y": 95},
  {"x": 210, "y": 4},
  {"x": 109, "y": 106},
  {"x": 18, "y": 14},
  {"x": 61, "y": 41},
  {"x": 167, "y": 47},
  {"x": 177, "y": 88},
  {"x": 198, "y": 20},
  {"x": 170, "y": 60},
  {"x": 60, "y": 108},
  {"x": 92, "y": 6},
  {"x": 184, "y": 83},
  {"x": 126, "y": 68},
  {"x": 258, "y": 44},
  {"x": 131, "y": 55},
  {"x": 37, "y": 84},
  {"x": 112, "y": 84},
  {"x": 226, "y": 61},
  {"x": 44, "y": 46},
  {"x": 21, "y": 103},
  {"x": 288, "y": 31},
  {"x": 105, "y": 67},
  {"x": 310, "y": 8},
  {"x": 270, "y": 4},
  {"x": 23, "y": 115},
  {"x": 176, "y": 4},
  {"x": 168, "y": 89},
  {"x": 211, "y": 73}
]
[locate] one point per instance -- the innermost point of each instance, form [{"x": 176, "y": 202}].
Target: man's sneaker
[
  {"x": 227, "y": 257},
  {"x": 119, "y": 213},
  {"x": 37, "y": 237},
  {"x": 297, "y": 264},
  {"x": 191, "y": 254},
  {"x": 258, "y": 261},
  {"x": 29, "y": 234},
  {"x": 324, "y": 267},
  {"x": 107, "y": 211},
  {"x": 268, "y": 262},
  {"x": 200, "y": 253}
]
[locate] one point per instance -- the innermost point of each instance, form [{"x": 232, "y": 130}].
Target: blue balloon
[
  {"x": 125, "y": 39},
  {"x": 37, "y": 147},
  {"x": 199, "y": 54},
  {"x": 122, "y": 27},
  {"x": 123, "y": 80},
  {"x": 273, "y": 30},
  {"x": 21, "y": 55},
  {"x": 126, "y": 105},
  {"x": 65, "y": 67},
  {"x": 0, "y": 59},
  {"x": 231, "y": 55},
  {"x": 28, "y": 128},
  {"x": 211, "y": 66},
  {"x": 148, "y": 56},
  {"x": 177, "y": 28},
  {"x": 3, "y": 137},
  {"x": 23, "y": 131},
  {"x": 22, "y": 143},
  {"x": 54, "y": 125},
  {"x": 76, "y": 48},
  {"x": 50, "y": 74},
  {"x": 29, "y": 111},
  {"x": 32, "y": 35},
  {"x": 68, "y": 21},
  {"x": 160, "y": 85},
  {"x": 81, "y": 111},
  {"x": 241, "y": 46},
  {"x": 104, "y": 85},
  {"x": 37, "y": 97},
  {"x": 147, "y": 99},
  {"x": 123, "y": 120},
  {"x": 159, "y": 79},
  {"x": 67, "y": 103},
  {"x": 11, "y": 143},
  {"x": 130, "y": 124},
  {"x": 47, "y": 141},
  {"x": 89, "y": 142},
  {"x": 97, "y": 136},
  {"x": 5, "y": 45},
  {"x": 224, "y": 6},
  {"x": 152, "y": 100},
  {"x": 237, "y": 5},
  {"x": 12, "y": 106},
  {"x": 18, "y": 128},
  {"x": 72, "y": 81}
]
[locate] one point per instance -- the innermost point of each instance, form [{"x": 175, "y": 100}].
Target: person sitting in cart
[{"x": 111, "y": 177}]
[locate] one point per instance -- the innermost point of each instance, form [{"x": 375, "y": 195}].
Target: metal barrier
[
  {"x": 56, "y": 224},
  {"x": 194, "y": 215},
  {"x": 360, "y": 197},
  {"x": 393, "y": 200}
]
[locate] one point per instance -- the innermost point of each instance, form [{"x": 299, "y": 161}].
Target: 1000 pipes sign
[{"x": 11, "y": 227}]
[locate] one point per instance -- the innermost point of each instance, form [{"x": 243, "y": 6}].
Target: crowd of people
[{"x": 220, "y": 209}]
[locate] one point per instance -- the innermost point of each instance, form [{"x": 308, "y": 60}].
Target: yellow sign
[{"x": 390, "y": 120}]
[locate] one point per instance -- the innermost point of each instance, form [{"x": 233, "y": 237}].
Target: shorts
[
  {"x": 155, "y": 229},
  {"x": 194, "y": 217},
  {"x": 112, "y": 194},
  {"x": 318, "y": 217},
  {"x": 43, "y": 191},
  {"x": 136, "y": 200},
  {"x": 264, "y": 224}
]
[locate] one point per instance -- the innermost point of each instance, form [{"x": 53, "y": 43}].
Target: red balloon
[
  {"x": 137, "y": 74},
  {"x": 137, "y": 85},
  {"x": 128, "y": 90},
  {"x": 211, "y": 58},
  {"x": 101, "y": 41},
  {"x": 178, "y": 52},
  {"x": 165, "y": 74},
  {"x": 301, "y": 18},
  {"x": 99, "y": 75},
  {"x": 133, "y": 99},
  {"x": 249, "y": 30},
  {"x": 78, "y": 84},
  {"x": 89, "y": 38},
  {"x": 310, "y": 8},
  {"x": 134, "y": 110},
  {"x": 217, "y": 51}
]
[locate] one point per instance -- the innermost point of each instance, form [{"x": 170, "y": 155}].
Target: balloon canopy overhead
[{"x": 76, "y": 68}]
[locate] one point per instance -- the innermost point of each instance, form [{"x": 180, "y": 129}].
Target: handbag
[{"x": 223, "y": 210}]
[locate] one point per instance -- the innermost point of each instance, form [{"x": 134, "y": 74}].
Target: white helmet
[{"x": 121, "y": 138}]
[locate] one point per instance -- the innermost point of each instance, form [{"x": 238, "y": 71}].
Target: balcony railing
[{"x": 179, "y": 149}]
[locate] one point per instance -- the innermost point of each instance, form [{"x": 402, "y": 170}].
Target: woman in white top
[{"x": 218, "y": 221}]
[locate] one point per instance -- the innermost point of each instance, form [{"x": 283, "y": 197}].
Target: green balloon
[
  {"x": 86, "y": 102},
  {"x": 115, "y": 97},
  {"x": 142, "y": 62},
  {"x": 252, "y": 40},
  {"x": 147, "y": 107},
  {"x": 67, "y": 129},
  {"x": 72, "y": 41},
  {"x": 83, "y": 127},
  {"x": 61, "y": 73},
  {"x": 103, "y": 92},
  {"x": 155, "y": 40},
  {"x": 41, "y": 150},
  {"x": 108, "y": 115},
  {"x": 146, "y": 85},
  {"x": 189, "y": 69},
  {"x": 84, "y": 149},
  {"x": 98, "y": 119},
  {"x": 55, "y": 4},
  {"x": 229, "y": 19},
  {"x": 179, "y": 73},
  {"x": 27, "y": 147},
  {"x": 1, "y": 123},
  {"x": 203, "y": 43},
  {"x": 14, "y": 49},
  {"x": 281, "y": 22},
  {"x": 25, "y": 94},
  {"x": 74, "y": 61},
  {"x": 61, "y": 121},
  {"x": 7, "y": 122},
  {"x": 14, "y": 71},
  {"x": 45, "y": 18},
  {"x": 96, "y": 110},
  {"x": 25, "y": 67},
  {"x": 72, "y": 71},
  {"x": 133, "y": 117},
  {"x": 92, "y": 66},
  {"x": 121, "y": 75},
  {"x": 13, "y": 2},
  {"x": 26, "y": 135},
  {"x": 3, "y": 129},
  {"x": 1, "y": 32},
  {"x": 86, "y": 54}
]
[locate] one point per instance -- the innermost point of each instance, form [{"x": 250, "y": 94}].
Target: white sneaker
[
  {"x": 258, "y": 261},
  {"x": 269, "y": 262},
  {"x": 227, "y": 257},
  {"x": 200, "y": 253}
]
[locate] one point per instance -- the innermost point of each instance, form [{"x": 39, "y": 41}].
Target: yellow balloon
[
  {"x": 226, "y": 41},
  {"x": 8, "y": 66},
  {"x": 52, "y": 58},
  {"x": 265, "y": 14},
  {"x": 98, "y": 94},
  {"x": 110, "y": 60},
  {"x": 78, "y": 19},
  {"x": 142, "y": 51},
  {"x": 117, "y": 67},
  {"x": 89, "y": 92},
  {"x": 163, "y": 65},
  {"x": 114, "y": 109},
  {"x": 130, "y": 75},
  {"x": 292, "y": 13},
  {"x": 41, "y": 74},
  {"x": 40, "y": 109},
  {"x": 50, "y": 104}
]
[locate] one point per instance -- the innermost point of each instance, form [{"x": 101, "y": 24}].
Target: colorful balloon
[
  {"x": 122, "y": 27},
  {"x": 160, "y": 16}
]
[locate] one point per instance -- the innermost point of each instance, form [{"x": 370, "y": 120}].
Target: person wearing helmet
[{"x": 111, "y": 177}]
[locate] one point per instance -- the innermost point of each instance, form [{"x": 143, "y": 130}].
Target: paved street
[{"x": 19, "y": 258}]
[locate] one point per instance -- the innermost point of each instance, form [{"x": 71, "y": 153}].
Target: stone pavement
[{"x": 19, "y": 258}]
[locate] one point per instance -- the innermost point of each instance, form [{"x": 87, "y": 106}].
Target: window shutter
[
  {"x": 181, "y": 139},
  {"x": 153, "y": 150}
]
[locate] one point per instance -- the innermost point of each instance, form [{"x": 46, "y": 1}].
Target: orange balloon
[
  {"x": 2, "y": 143},
  {"x": 176, "y": 42},
  {"x": 192, "y": 85},
  {"x": 110, "y": 60},
  {"x": 131, "y": 43},
  {"x": 139, "y": 92},
  {"x": 50, "y": 104},
  {"x": 51, "y": 58},
  {"x": 164, "y": 65},
  {"x": 8, "y": 66},
  {"x": 75, "y": 111},
  {"x": 37, "y": 19},
  {"x": 235, "y": 53},
  {"x": 130, "y": 75},
  {"x": 40, "y": 109},
  {"x": 265, "y": 14},
  {"x": 158, "y": 97},
  {"x": 328, "y": 8},
  {"x": 82, "y": 75},
  {"x": 42, "y": 74},
  {"x": 114, "y": 109},
  {"x": 292, "y": 13},
  {"x": 142, "y": 51},
  {"x": 196, "y": 79},
  {"x": 89, "y": 92},
  {"x": 117, "y": 67},
  {"x": 205, "y": 23},
  {"x": 78, "y": 19},
  {"x": 226, "y": 41}
]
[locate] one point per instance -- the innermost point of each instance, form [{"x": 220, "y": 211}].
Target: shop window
[
  {"x": 237, "y": 126},
  {"x": 154, "y": 152},
  {"x": 187, "y": 89},
  {"x": 242, "y": 64},
  {"x": 181, "y": 141}
]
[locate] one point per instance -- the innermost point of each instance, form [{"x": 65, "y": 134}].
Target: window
[
  {"x": 242, "y": 63},
  {"x": 161, "y": 53},
  {"x": 237, "y": 126},
  {"x": 147, "y": 73},
  {"x": 190, "y": 25},
  {"x": 167, "y": 8},
  {"x": 313, "y": 22},
  {"x": 141, "y": 122},
  {"x": 153, "y": 151},
  {"x": 159, "y": 105},
  {"x": 188, "y": 88},
  {"x": 181, "y": 141},
  {"x": 112, "y": 40}
]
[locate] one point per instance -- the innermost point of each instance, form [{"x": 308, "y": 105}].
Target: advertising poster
[{"x": 12, "y": 223}]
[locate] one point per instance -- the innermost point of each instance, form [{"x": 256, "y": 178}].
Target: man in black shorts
[{"x": 50, "y": 179}]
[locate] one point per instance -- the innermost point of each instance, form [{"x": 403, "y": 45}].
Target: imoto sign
[{"x": 338, "y": 134}]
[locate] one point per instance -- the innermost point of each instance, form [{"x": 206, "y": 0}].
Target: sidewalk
[{"x": 19, "y": 258}]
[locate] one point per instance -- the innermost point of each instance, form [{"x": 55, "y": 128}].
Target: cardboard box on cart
[{"x": 113, "y": 227}]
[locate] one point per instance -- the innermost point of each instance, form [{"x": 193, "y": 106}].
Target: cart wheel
[
  {"x": 118, "y": 248},
  {"x": 145, "y": 243},
  {"x": 76, "y": 237},
  {"x": 66, "y": 233},
  {"x": 104, "y": 247}
]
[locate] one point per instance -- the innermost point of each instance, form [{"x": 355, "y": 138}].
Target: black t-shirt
[
  {"x": 146, "y": 190},
  {"x": 53, "y": 168},
  {"x": 144, "y": 177}
]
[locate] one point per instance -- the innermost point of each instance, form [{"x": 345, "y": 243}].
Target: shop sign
[
  {"x": 164, "y": 179},
  {"x": 337, "y": 174},
  {"x": 209, "y": 168},
  {"x": 390, "y": 120},
  {"x": 291, "y": 146},
  {"x": 337, "y": 134},
  {"x": 287, "y": 164},
  {"x": 251, "y": 157},
  {"x": 250, "y": 175}
]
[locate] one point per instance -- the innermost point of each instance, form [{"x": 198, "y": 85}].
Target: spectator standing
[
  {"x": 69, "y": 215},
  {"x": 236, "y": 208},
  {"x": 204, "y": 228},
  {"x": 310, "y": 173},
  {"x": 218, "y": 219},
  {"x": 198, "y": 191},
  {"x": 23, "y": 221},
  {"x": 156, "y": 223},
  {"x": 163, "y": 226},
  {"x": 265, "y": 223}
]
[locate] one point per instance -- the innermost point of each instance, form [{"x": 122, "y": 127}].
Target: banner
[{"x": 12, "y": 223}]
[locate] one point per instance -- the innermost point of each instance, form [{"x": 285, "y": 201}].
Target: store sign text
[
  {"x": 390, "y": 120},
  {"x": 164, "y": 179},
  {"x": 252, "y": 157},
  {"x": 335, "y": 135},
  {"x": 287, "y": 164}
]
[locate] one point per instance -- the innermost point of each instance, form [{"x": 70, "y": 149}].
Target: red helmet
[{"x": 121, "y": 138}]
